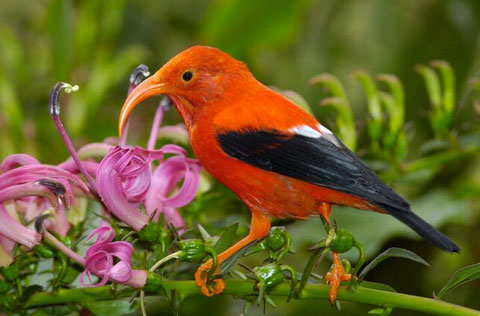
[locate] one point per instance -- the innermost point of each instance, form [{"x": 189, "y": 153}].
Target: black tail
[{"x": 423, "y": 228}]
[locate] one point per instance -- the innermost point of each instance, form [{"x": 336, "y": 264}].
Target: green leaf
[
  {"x": 29, "y": 291},
  {"x": 397, "y": 110},
  {"x": 432, "y": 82},
  {"x": 389, "y": 253},
  {"x": 377, "y": 286},
  {"x": 113, "y": 307},
  {"x": 461, "y": 276},
  {"x": 232, "y": 261},
  {"x": 448, "y": 81},
  {"x": 227, "y": 238},
  {"x": 368, "y": 84},
  {"x": 346, "y": 130}
]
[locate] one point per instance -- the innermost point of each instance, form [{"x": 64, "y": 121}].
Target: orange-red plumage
[{"x": 275, "y": 156}]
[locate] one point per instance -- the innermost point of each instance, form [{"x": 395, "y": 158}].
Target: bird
[{"x": 277, "y": 158}]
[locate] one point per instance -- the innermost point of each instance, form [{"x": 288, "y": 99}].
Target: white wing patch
[
  {"x": 328, "y": 135},
  {"x": 306, "y": 131},
  {"x": 324, "y": 130}
]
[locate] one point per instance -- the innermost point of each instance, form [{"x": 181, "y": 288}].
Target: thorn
[
  {"x": 338, "y": 306},
  {"x": 203, "y": 232},
  {"x": 246, "y": 267}
]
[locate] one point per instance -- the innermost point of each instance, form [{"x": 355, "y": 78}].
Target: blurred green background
[{"x": 96, "y": 44}]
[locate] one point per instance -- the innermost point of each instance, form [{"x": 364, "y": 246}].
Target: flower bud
[
  {"x": 192, "y": 249},
  {"x": 342, "y": 242},
  {"x": 269, "y": 276},
  {"x": 277, "y": 238}
]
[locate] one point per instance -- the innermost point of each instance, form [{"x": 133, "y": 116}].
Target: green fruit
[
  {"x": 342, "y": 242},
  {"x": 193, "y": 249}
]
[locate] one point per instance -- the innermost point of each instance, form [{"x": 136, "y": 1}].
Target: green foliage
[
  {"x": 339, "y": 100},
  {"x": 442, "y": 96},
  {"x": 391, "y": 253},
  {"x": 461, "y": 276}
]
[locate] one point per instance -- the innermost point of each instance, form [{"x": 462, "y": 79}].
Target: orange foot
[
  {"x": 336, "y": 276},
  {"x": 215, "y": 286}
]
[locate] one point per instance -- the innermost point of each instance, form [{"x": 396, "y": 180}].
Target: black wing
[
  {"x": 314, "y": 160},
  {"x": 326, "y": 162}
]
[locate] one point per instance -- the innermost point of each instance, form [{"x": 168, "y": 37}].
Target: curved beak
[{"x": 148, "y": 88}]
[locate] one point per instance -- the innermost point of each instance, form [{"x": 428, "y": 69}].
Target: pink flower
[
  {"x": 110, "y": 260},
  {"x": 31, "y": 188},
  {"x": 17, "y": 160},
  {"x": 124, "y": 179},
  {"x": 34, "y": 206},
  {"x": 165, "y": 180}
]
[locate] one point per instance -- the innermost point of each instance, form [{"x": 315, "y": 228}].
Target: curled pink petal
[
  {"x": 165, "y": 179},
  {"x": 101, "y": 257},
  {"x": 114, "y": 187},
  {"x": 7, "y": 243},
  {"x": 176, "y": 132},
  {"x": 14, "y": 230},
  {"x": 72, "y": 167},
  {"x": 99, "y": 150},
  {"x": 39, "y": 198},
  {"x": 31, "y": 173},
  {"x": 121, "y": 272},
  {"x": 190, "y": 186},
  {"x": 174, "y": 149},
  {"x": 98, "y": 263},
  {"x": 104, "y": 233},
  {"x": 17, "y": 160},
  {"x": 124, "y": 179}
]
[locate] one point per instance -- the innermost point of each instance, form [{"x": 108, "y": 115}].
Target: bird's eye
[{"x": 187, "y": 76}]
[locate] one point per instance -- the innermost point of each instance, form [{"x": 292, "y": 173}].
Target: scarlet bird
[{"x": 275, "y": 156}]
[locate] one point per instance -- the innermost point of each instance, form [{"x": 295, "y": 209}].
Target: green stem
[
  {"x": 165, "y": 259},
  {"x": 241, "y": 288}
]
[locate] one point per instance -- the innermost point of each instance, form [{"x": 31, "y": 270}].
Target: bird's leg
[
  {"x": 336, "y": 276},
  {"x": 337, "y": 273},
  {"x": 259, "y": 228}
]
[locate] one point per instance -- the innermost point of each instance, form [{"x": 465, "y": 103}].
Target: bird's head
[{"x": 194, "y": 79}]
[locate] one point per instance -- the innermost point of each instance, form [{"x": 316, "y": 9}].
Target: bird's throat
[{"x": 186, "y": 110}]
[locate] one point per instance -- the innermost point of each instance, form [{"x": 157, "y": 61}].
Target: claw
[
  {"x": 336, "y": 276},
  {"x": 209, "y": 287}
]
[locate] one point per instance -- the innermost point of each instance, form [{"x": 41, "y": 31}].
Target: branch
[{"x": 246, "y": 288}]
